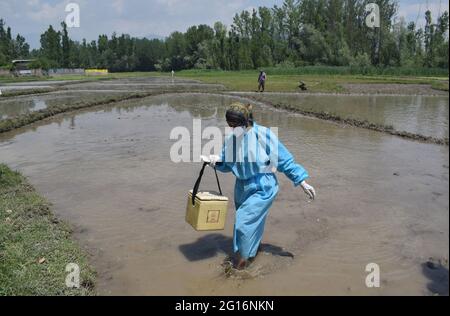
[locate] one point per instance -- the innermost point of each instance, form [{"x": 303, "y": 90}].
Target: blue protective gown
[{"x": 253, "y": 158}]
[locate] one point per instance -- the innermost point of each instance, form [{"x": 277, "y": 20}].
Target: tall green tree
[
  {"x": 11, "y": 48},
  {"x": 295, "y": 33},
  {"x": 51, "y": 47},
  {"x": 65, "y": 46}
]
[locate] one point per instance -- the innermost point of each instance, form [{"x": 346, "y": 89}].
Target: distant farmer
[
  {"x": 302, "y": 86},
  {"x": 262, "y": 81}
]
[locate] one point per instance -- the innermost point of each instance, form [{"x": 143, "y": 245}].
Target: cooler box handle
[{"x": 199, "y": 180}]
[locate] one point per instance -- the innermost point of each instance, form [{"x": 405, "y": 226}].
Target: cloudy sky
[{"x": 146, "y": 17}]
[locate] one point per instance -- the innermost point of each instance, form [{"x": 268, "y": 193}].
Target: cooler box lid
[{"x": 209, "y": 196}]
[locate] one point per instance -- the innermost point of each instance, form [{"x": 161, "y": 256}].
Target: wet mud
[{"x": 107, "y": 170}]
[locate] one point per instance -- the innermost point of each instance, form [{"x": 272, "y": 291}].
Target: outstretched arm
[{"x": 287, "y": 165}]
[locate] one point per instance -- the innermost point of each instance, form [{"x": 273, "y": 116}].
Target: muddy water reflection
[
  {"x": 147, "y": 84},
  {"x": 108, "y": 172},
  {"x": 424, "y": 115},
  {"x": 11, "y": 107},
  {"x": 15, "y": 107}
]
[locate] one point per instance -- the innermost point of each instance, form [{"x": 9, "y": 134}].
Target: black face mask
[{"x": 236, "y": 119}]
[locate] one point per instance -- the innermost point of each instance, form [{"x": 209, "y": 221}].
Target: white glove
[
  {"x": 309, "y": 190},
  {"x": 212, "y": 160}
]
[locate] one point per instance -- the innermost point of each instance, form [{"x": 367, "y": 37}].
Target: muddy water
[
  {"x": 108, "y": 172},
  {"x": 92, "y": 91},
  {"x": 10, "y": 107},
  {"x": 424, "y": 115},
  {"x": 15, "y": 107},
  {"x": 15, "y": 87},
  {"x": 146, "y": 83},
  {"x": 117, "y": 85}
]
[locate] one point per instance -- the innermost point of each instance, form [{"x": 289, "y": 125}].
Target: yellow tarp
[{"x": 96, "y": 71}]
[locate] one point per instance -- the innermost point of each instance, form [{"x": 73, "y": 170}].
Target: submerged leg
[
  {"x": 241, "y": 263},
  {"x": 250, "y": 222},
  {"x": 253, "y": 199}
]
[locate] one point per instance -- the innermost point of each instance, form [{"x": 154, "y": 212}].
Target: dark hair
[
  {"x": 240, "y": 115},
  {"x": 236, "y": 119}
]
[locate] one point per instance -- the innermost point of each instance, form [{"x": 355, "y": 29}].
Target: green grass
[
  {"x": 318, "y": 78},
  {"x": 247, "y": 80},
  {"x": 366, "y": 71},
  {"x": 30, "y": 233},
  {"x": 440, "y": 85},
  {"x": 10, "y": 79}
]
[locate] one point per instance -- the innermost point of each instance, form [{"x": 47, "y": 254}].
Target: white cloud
[
  {"x": 118, "y": 5},
  {"x": 138, "y": 17},
  {"x": 33, "y": 3},
  {"x": 415, "y": 10},
  {"x": 46, "y": 12}
]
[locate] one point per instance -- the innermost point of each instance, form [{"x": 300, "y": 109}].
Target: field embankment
[{"x": 35, "y": 247}]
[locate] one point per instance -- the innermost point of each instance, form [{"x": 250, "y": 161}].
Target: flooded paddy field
[
  {"x": 417, "y": 114},
  {"x": 77, "y": 92},
  {"x": 108, "y": 172},
  {"x": 147, "y": 84},
  {"x": 41, "y": 85},
  {"x": 117, "y": 85},
  {"x": 14, "y": 106}
]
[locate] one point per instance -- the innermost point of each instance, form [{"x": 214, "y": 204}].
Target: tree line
[{"x": 295, "y": 34}]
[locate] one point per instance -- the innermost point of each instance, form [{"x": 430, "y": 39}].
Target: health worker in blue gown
[{"x": 254, "y": 154}]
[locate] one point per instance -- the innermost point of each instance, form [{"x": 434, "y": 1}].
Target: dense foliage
[{"x": 299, "y": 33}]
